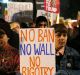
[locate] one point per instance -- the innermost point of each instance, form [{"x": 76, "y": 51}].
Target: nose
[{"x": 62, "y": 37}]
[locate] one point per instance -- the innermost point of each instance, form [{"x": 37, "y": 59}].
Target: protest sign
[
  {"x": 37, "y": 51},
  {"x": 18, "y": 9},
  {"x": 52, "y": 6}
]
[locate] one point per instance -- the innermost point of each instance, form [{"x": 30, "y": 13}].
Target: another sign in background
[
  {"x": 18, "y": 9},
  {"x": 52, "y": 6},
  {"x": 48, "y": 8},
  {"x": 37, "y": 51}
]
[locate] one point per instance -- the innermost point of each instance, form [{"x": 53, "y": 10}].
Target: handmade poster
[
  {"x": 18, "y": 9},
  {"x": 52, "y": 6},
  {"x": 37, "y": 51}
]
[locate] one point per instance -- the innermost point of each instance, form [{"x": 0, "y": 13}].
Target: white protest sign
[
  {"x": 15, "y": 7},
  {"x": 37, "y": 51}
]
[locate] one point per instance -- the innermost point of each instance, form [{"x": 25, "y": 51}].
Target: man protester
[{"x": 67, "y": 58}]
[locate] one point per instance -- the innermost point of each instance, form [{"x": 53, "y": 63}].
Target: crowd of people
[{"x": 67, "y": 43}]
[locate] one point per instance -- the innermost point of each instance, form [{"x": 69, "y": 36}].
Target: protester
[
  {"x": 14, "y": 37},
  {"x": 32, "y": 25},
  {"x": 75, "y": 42},
  {"x": 41, "y": 22},
  {"x": 67, "y": 58},
  {"x": 9, "y": 56}
]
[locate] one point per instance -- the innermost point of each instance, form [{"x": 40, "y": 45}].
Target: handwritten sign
[
  {"x": 37, "y": 51},
  {"x": 52, "y": 6},
  {"x": 16, "y": 7}
]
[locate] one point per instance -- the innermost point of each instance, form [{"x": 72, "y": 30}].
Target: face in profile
[{"x": 60, "y": 40}]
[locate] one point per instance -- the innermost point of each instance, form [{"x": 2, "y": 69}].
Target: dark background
[{"x": 68, "y": 8}]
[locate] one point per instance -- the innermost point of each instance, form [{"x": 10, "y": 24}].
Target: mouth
[{"x": 61, "y": 43}]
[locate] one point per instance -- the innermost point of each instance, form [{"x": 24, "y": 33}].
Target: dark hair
[
  {"x": 60, "y": 28},
  {"x": 5, "y": 26},
  {"x": 40, "y": 19}
]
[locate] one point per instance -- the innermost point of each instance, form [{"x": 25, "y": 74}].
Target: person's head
[
  {"x": 41, "y": 22},
  {"x": 32, "y": 25},
  {"x": 61, "y": 34},
  {"x": 3, "y": 38},
  {"x": 15, "y": 26}
]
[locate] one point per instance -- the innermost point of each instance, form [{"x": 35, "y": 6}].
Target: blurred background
[{"x": 68, "y": 8}]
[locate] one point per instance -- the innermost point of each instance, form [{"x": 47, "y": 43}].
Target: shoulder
[
  {"x": 72, "y": 51},
  {"x": 73, "y": 55}
]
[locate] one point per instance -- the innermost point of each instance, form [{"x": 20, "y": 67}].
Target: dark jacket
[
  {"x": 75, "y": 42},
  {"x": 69, "y": 63}
]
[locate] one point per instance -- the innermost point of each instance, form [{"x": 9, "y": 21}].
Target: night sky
[{"x": 69, "y": 8}]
